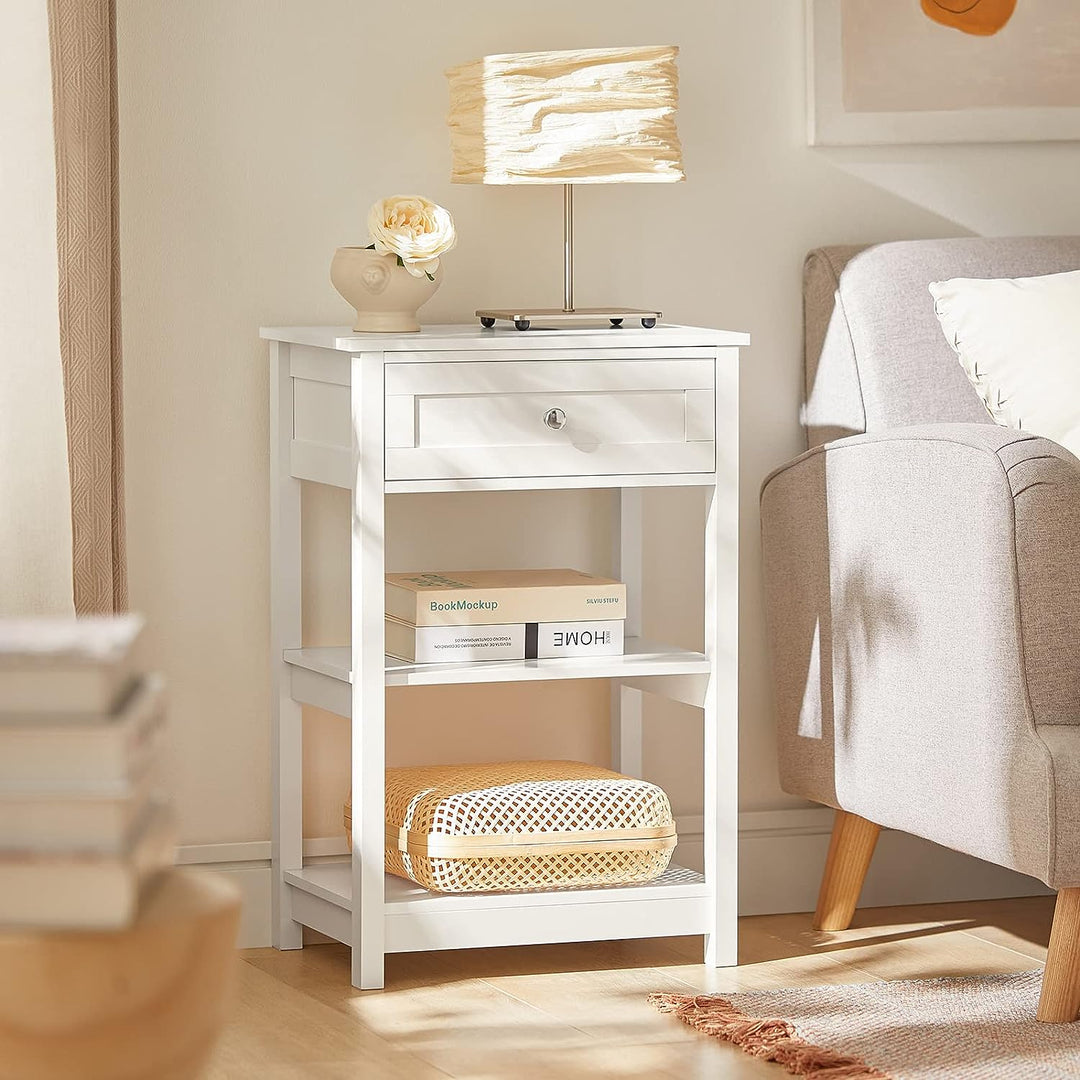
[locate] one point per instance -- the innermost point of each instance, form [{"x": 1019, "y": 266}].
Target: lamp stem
[{"x": 568, "y": 247}]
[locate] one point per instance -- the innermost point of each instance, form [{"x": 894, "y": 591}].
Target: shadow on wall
[{"x": 984, "y": 189}]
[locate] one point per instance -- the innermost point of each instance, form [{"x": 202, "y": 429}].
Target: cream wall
[
  {"x": 254, "y": 135},
  {"x": 35, "y": 489}
]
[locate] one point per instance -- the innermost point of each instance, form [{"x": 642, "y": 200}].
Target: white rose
[{"x": 414, "y": 229}]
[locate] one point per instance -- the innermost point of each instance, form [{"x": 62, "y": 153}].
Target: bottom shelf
[{"x": 417, "y": 920}]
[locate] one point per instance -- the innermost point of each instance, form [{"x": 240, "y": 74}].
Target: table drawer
[{"x": 549, "y": 418}]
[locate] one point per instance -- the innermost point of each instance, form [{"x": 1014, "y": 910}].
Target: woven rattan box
[{"x": 523, "y": 825}]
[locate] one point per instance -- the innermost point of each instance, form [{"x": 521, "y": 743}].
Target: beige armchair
[{"x": 922, "y": 577}]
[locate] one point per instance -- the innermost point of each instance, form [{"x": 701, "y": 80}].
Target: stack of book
[
  {"x": 470, "y": 615},
  {"x": 81, "y": 826}
]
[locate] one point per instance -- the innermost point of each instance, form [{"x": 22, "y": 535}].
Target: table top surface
[{"x": 474, "y": 337}]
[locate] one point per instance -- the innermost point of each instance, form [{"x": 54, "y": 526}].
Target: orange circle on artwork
[{"x": 982, "y": 17}]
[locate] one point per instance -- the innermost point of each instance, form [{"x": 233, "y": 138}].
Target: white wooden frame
[
  {"x": 828, "y": 124},
  {"x": 392, "y": 915},
  {"x": 287, "y": 746}
]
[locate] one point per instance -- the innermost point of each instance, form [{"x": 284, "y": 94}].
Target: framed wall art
[{"x": 942, "y": 71}]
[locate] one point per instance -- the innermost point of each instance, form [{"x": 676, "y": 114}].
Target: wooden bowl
[{"x": 135, "y": 1004}]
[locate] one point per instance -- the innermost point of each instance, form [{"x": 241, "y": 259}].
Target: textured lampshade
[{"x": 581, "y": 116}]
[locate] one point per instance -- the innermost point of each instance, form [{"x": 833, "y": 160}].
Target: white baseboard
[
  {"x": 247, "y": 865},
  {"x": 781, "y": 853}
]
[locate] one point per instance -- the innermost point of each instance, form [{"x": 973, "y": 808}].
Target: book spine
[
  {"x": 503, "y": 607},
  {"x": 517, "y": 641},
  {"x": 460, "y": 644},
  {"x": 579, "y": 639},
  {"x": 105, "y": 756}
]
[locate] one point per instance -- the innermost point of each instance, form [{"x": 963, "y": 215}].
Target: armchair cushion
[
  {"x": 1018, "y": 340},
  {"x": 923, "y": 599}
]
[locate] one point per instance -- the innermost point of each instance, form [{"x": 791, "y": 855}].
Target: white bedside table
[{"x": 461, "y": 408}]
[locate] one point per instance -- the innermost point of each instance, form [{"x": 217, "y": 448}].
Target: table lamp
[{"x": 584, "y": 116}]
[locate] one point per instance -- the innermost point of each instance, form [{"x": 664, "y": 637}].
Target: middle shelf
[{"x": 322, "y": 676}]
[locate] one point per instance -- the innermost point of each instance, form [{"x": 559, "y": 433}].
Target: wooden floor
[{"x": 578, "y": 1011}]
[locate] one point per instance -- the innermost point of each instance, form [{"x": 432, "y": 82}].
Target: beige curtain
[{"x": 83, "y": 50}]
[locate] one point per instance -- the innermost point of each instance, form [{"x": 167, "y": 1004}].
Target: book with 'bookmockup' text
[{"x": 479, "y": 597}]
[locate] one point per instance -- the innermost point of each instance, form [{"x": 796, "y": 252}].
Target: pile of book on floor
[
  {"x": 82, "y": 828},
  {"x": 471, "y": 615}
]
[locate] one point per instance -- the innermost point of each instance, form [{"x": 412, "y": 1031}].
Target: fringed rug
[{"x": 980, "y": 1028}]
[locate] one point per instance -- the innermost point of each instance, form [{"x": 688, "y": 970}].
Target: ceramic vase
[{"x": 386, "y": 296}]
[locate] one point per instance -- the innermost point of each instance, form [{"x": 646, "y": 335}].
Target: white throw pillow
[{"x": 1018, "y": 339}]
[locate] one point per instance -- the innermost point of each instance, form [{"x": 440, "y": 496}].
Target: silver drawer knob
[{"x": 555, "y": 419}]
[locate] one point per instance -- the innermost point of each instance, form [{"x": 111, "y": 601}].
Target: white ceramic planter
[{"x": 386, "y": 296}]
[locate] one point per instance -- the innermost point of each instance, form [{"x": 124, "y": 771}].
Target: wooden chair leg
[
  {"x": 850, "y": 851},
  {"x": 1059, "y": 1002}
]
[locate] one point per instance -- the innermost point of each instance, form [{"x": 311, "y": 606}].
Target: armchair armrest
[{"x": 923, "y": 608}]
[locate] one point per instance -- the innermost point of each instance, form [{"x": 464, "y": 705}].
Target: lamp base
[{"x": 523, "y": 318}]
